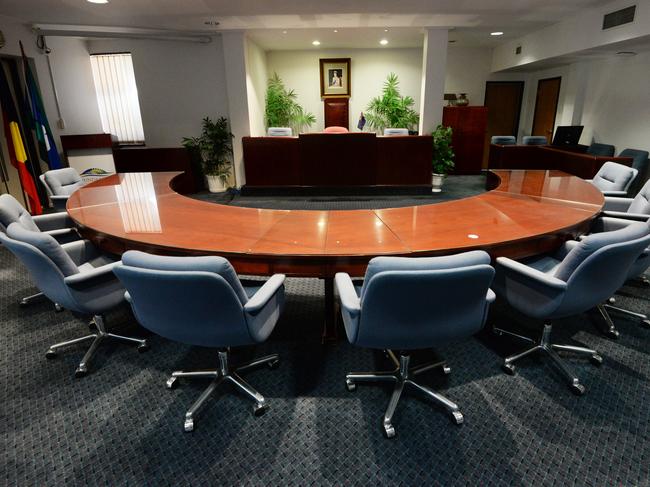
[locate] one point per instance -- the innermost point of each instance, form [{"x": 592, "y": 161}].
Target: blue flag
[{"x": 362, "y": 122}]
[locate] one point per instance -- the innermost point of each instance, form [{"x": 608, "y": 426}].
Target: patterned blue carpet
[{"x": 121, "y": 426}]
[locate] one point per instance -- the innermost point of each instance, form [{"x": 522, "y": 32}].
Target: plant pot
[
  {"x": 215, "y": 185},
  {"x": 437, "y": 181}
]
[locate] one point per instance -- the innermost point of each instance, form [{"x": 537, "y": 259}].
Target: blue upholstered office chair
[
  {"x": 579, "y": 276},
  {"x": 534, "y": 140},
  {"x": 388, "y": 132},
  {"x": 58, "y": 225},
  {"x": 279, "y": 132},
  {"x": 637, "y": 208},
  {"x": 75, "y": 275},
  {"x": 637, "y": 271},
  {"x": 641, "y": 163},
  {"x": 614, "y": 179},
  {"x": 604, "y": 150},
  {"x": 201, "y": 301},
  {"x": 415, "y": 303},
  {"x": 60, "y": 184},
  {"x": 503, "y": 140}
]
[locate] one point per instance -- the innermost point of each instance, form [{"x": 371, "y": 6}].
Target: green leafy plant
[
  {"x": 443, "y": 154},
  {"x": 391, "y": 109},
  {"x": 214, "y": 147},
  {"x": 282, "y": 110}
]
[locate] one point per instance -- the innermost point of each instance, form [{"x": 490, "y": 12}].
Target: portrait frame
[{"x": 335, "y": 79}]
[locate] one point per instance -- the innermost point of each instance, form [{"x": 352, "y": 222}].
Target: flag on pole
[
  {"x": 17, "y": 154},
  {"x": 46, "y": 145}
]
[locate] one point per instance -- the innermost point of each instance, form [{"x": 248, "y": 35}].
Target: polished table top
[{"x": 528, "y": 212}]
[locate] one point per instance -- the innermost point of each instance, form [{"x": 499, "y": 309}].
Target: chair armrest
[
  {"x": 637, "y": 217},
  {"x": 517, "y": 269},
  {"x": 53, "y": 221},
  {"x": 59, "y": 201},
  {"x": 615, "y": 193},
  {"x": 90, "y": 277},
  {"x": 264, "y": 294},
  {"x": 617, "y": 204},
  {"x": 347, "y": 294},
  {"x": 490, "y": 296},
  {"x": 80, "y": 251}
]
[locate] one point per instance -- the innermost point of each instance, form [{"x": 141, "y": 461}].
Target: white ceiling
[{"x": 360, "y": 22}]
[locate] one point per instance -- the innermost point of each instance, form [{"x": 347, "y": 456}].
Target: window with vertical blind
[{"x": 117, "y": 96}]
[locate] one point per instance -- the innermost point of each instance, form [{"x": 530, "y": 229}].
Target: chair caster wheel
[
  {"x": 189, "y": 425},
  {"x": 457, "y": 417},
  {"x": 23, "y": 304},
  {"x": 389, "y": 430},
  {"x": 144, "y": 347},
  {"x": 612, "y": 333},
  {"x": 58, "y": 308},
  {"x": 50, "y": 354},
  {"x": 645, "y": 323},
  {"x": 596, "y": 359},
  {"x": 81, "y": 372},
  {"x": 446, "y": 369},
  {"x": 171, "y": 383},
  {"x": 259, "y": 409},
  {"x": 351, "y": 386},
  {"x": 578, "y": 389},
  {"x": 508, "y": 369},
  {"x": 92, "y": 325},
  {"x": 611, "y": 300},
  {"x": 274, "y": 364}
]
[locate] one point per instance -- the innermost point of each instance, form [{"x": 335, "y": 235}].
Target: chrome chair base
[
  {"x": 97, "y": 337},
  {"x": 610, "y": 331},
  {"x": 27, "y": 300},
  {"x": 401, "y": 377},
  {"x": 550, "y": 349},
  {"x": 644, "y": 318},
  {"x": 224, "y": 374}
]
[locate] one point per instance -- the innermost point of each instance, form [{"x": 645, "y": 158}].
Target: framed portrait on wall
[{"x": 335, "y": 77}]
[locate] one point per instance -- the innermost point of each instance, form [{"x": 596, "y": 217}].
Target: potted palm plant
[
  {"x": 391, "y": 109},
  {"x": 443, "y": 157},
  {"x": 282, "y": 110},
  {"x": 214, "y": 149}
]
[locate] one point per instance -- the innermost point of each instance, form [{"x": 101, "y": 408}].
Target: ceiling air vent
[{"x": 620, "y": 17}]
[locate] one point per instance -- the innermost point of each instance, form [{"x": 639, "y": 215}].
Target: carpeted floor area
[
  {"x": 455, "y": 187},
  {"x": 121, "y": 426}
]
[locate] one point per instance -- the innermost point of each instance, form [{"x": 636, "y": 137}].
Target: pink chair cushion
[{"x": 335, "y": 130}]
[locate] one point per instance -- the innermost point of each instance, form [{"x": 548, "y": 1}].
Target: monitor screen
[{"x": 567, "y": 135}]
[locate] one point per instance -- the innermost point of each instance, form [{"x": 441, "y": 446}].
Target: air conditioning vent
[{"x": 620, "y": 17}]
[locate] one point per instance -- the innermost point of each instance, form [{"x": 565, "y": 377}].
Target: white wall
[
  {"x": 256, "y": 77},
  {"x": 179, "y": 83},
  {"x": 468, "y": 68},
  {"x": 369, "y": 67}
]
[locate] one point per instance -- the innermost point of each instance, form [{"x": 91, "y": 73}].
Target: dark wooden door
[
  {"x": 336, "y": 112},
  {"x": 503, "y": 99},
  {"x": 548, "y": 92}
]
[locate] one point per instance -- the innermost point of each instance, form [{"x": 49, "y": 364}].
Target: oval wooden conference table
[{"x": 525, "y": 213}]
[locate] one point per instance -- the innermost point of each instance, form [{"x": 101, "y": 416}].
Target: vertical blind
[{"x": 117, "y": 96}]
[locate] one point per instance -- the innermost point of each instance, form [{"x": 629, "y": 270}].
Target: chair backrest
[
  {"x": 11, "y": 211},
  {"x": 414, "y": 303},
  {"x": 63, "y": 182},
  {"x": 534, "y": 140},
  {"x": 279, "y": 132},
  {"x": 598, "y": 265},
  {"x": 45, "y": 185},
  {"x": 45, "y": 260},
  {"x": 641, "y": 202},
  {"x": 614, "y": 177},
  {"x": 334, "y": 129},
  {"x": 395, "y": 131},
  {"x": 194, "y": 300},
  {"x": 597, "y": 149},
  {"x": 503, "y": 140},
  {"x": 641, "y": 163}
]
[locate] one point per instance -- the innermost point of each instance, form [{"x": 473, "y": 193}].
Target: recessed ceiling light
[
  {"x": 383, "y": 42},
  {"x": 385, "y": 30},
  {"x": 497, "y": 33},
  {"x": 316, "y": 43},
  {"x": 97, "y": 1},
  {"x": 284, "y": 31},
  {"x": 336, "y": 30}
]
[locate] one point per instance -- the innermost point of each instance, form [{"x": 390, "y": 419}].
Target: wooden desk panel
[{"x": 528, "y": 212}]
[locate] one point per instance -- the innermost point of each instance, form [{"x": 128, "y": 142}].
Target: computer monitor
[{"x": 567, "y": 135}]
